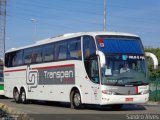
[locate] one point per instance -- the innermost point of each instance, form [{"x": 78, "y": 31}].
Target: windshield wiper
[
  {"x": 123, "y": 78},
  {"x": 136, "y": 83}
]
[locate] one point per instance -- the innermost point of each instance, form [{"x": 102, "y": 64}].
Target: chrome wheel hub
[
  {"x": 77, "y": 99},
  {"x": 23, "y": 96}
]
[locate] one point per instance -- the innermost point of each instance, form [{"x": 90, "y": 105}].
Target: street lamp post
[
  {"x": 35, "y": 27},
  {"x": 105, "y": 15}
]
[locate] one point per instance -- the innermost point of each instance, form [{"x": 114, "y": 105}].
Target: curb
[
  {"x": 13, "y": 113},
  {"x": 153, "y": 103}
]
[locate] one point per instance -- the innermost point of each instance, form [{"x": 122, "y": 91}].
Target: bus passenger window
[
  {"x": 37, "y": 55},
  {"x": 9, "y": 58},
  {"x": 61, "y": 49},
  {"x": 18, "y": 58},
  {"x": 89, "y": 47},
  {"x": 27, "y": 56},
  {"x": 19, "y": 55},
  {"x": 74, "y": 46},
  {"x": 48, "y": 54},
  {"x": 14, "y": 60}
]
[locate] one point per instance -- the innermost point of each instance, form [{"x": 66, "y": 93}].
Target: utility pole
[
  {"x": 2, "y": 27},
  {"x": 5, "y": 13},
  {"x": 105, "y": 8}
]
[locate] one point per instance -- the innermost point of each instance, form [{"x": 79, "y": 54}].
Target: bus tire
[
  {"x": 117, "y": 106},
  {"x": 23, "y": 96},
  {"x": 16, "y": 95},
  {"x": 76, "y": 100}
]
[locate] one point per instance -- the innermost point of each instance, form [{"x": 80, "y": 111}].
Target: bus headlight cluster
[
  {"x": 144, "y": 92},
  {"x": 108, "y": 92}
]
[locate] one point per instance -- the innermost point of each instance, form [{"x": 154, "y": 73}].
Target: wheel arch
[{"x": 76, "y": 88}]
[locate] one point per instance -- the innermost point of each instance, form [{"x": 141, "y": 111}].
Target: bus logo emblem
[{"x": 32, "y": 77}]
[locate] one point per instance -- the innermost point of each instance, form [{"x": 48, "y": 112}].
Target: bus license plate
[{"x": 129, "y": 99}]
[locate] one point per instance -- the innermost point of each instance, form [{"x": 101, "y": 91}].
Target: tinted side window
[
  {"x": 9, "y": 59},
  {"x": 74, "y": 47},
  {"x": 37, "y": 55},
  {"x": 61, "y": 49},
  {"x": 89, "y": 47},
  {"x": 27, "y": 56},
  {"x": 48, "y": 54},
  {"x": 19, "y": 59},
  {"x": 14, "y": 58}
]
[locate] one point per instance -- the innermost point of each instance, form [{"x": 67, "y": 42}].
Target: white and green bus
[
  {"x": 1, "y": 78},
  {"x": 104, "y": 68}
]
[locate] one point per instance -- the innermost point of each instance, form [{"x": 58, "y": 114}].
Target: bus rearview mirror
[
  {"x": 102, "y": 58},
  {"x": 154, "y": 59}
]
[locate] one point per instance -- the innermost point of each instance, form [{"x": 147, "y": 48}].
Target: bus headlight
[
  {"x": 144, "y": 92},
  {"x": 108, "y": 92}
]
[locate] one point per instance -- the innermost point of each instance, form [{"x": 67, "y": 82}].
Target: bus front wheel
[{"x": 76, "y": 100}]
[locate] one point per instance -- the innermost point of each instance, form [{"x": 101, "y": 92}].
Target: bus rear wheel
[
  {"x": 16, "y": 95},
  {"x": 23, "y": 96},
  {"x": 76, "y": 100}
]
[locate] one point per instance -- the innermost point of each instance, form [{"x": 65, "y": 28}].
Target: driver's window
[{"x": 94, "y": 71}]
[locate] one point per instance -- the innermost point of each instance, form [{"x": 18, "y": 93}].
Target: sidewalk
[{"x": 153, "y": 103}]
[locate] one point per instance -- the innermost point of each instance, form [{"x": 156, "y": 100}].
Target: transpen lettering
[{"x": 59, "y": 74}]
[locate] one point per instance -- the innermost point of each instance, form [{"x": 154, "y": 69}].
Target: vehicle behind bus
[{"x": 1, "y": 78}]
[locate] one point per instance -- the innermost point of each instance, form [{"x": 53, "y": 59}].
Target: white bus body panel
[{"x": 16, "y": 77}]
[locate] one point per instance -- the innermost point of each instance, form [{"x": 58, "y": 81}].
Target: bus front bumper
[{"x": 124, "y": 99}]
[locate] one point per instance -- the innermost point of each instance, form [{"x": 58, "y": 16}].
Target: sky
[{"x": 29, "y": 21}]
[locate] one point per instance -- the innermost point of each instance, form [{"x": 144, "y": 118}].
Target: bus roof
[{"x": 71, "y": 35}]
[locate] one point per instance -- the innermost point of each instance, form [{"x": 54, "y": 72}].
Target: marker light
[
  {"x": 101, "y": 42},
  {"x": 108, "y": 92}
]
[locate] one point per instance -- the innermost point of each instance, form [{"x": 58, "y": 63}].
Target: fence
[{"x": 154, "y": 89}]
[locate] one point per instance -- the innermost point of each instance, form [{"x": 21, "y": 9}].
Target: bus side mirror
[
  {"x": 154, "y": 59},
  {"x": 102, "y": 58}
]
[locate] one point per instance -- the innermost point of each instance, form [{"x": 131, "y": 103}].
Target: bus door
[{"x": 94, "y": 77}]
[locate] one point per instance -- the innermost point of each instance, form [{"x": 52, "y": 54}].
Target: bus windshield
[
  {"x": 125, "y": 61},
  {"x": 124, "y": 70}
]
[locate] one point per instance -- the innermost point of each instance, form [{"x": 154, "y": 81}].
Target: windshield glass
[
  {"x": 120, "y": 45},
  {"x": 124, "y": 70},
  {"x": 125, "y": 61}
]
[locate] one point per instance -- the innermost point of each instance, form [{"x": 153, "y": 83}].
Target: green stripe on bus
[{"x": 1, "y": 87}]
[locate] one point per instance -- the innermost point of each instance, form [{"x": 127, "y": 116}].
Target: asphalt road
[{"x": 49, "y": 110}]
